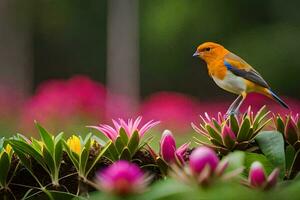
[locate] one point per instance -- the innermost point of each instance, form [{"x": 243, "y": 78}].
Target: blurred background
[{"x": 71, "y": 63}]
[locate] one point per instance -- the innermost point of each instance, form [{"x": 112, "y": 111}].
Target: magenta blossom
[
  {"x": 203, "y": 157},
  {"x": 205, "y": 167},
  {"x": 168, "y": 149},
  {"x": 258, "y": 179},
  {"x": 122, "y": 178},
  {"x": 228, "y": 137},
  {"x": 112, "y": 132}
]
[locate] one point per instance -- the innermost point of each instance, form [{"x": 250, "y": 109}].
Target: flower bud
[
  {"x": 228, "y": 137},
  {"x": 290, "y": 131},
  {"x": 122, "y": 178},
  {"x": 257, "y": 176},
  {"x": 168, "y": 146},
  {"x": 202, "y": 157}
]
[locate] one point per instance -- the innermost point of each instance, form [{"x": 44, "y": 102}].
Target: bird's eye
[{"x": 207, "y": 49}]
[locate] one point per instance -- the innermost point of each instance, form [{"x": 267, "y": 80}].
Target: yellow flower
[
  {"x": 8, "y": 148},
  {"x": 74, "y": 144}
]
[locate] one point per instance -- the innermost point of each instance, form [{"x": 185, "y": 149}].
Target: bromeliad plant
[
  {"x": 226, "y": 134},
  {"x": 5, "y": 164},
  {"x": 122, "y": 178},
  {"x": 126, "y": 137},
  {"x": 258, "y": 179},
  {"x": 47, "y": 153},
  {"x": 168, "y": 153},
  {"x": 79, "y": 149},
  {"x": 205, "y": 168},
  {"x": 289, "y": 126}
]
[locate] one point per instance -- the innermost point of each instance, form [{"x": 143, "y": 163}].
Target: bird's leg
[
  {"x": 236, "y": 111},
  {"x": 233, "y": 108}
]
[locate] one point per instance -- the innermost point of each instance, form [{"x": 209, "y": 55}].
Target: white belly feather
[{"x": 231, "y": 83}]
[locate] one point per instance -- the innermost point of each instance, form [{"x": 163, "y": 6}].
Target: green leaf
[
  {"x": 123, "y": 135},
  {"x": 280, "y": 125},
  {"x": 4, "y": 167},
  {"x": 234, "y": 125},
  {"x": 83, "y": 160},
  {"x": 217, "y": 125},
  {"x": 113, "y": 153},
  {"x": 58, "y": 138},
  {"x": 49, "y": 160},
  {"x": 289, "y": 156},
  {"x": 125, "y": 155},
  {"x": 214, "y": 134},
  {"x": 271, "y": 143},
  {"x": 119, "y": 144},
  {"x": 252, "y": 157},
  {"x": 58, "y": 153},
  {"x": 46, "y": 138},
  {"x": 102, "y": 152},
  {"x": 87, "y": 141},
  {"x": 36, "y": 145},
  {"x": 24, "y": 160},
  {"x": 243, "y": 134},
  {"x": 25, "y": 148},
  {"x": 260, "y": 115},
  {"x": 75, "y": 160},
  {"x": 1, "y": 143},
  {"x": 235, "y": 160},
  {"x": 134, "y": 142}
]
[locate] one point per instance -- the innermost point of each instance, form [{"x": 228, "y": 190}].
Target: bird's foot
[{"x": 231, "y": 112}]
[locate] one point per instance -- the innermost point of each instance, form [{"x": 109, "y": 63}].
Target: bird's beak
[{"x": 196, "y": 54}]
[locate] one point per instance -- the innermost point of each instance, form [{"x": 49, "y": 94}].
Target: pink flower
[
  {"x": 203, "y": 157},
  {"x": 62, "y": 102},
  {"x": 168, "y": 149},
  {"x": 291, "y": 131},
  {"x": 256, "y": 101},
  {"x": 228, "y": 136},
  {"x": 257, "y": 176},
  {"x": 112, "y": 132},
  {"x": 173, "y": 109},
  {"x": 122, "y": 178}
]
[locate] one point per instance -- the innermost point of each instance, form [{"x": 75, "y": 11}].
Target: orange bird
[{"x": 233, "y": 74}]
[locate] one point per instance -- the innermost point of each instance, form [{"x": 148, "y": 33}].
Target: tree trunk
[
  {"x": 123, "y": 51},
  {"x": 15, "y": 50}
]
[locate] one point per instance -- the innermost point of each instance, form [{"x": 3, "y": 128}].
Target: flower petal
[
  {"x": 168, "y": 146},
  {"x": 257, "y": 176}
]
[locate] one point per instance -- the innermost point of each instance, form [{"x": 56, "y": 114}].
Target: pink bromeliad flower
[
  {"x": 112, "y": 132},
  {"x": 122, "y": 178},
  {"x": 168, "y": 149},
  {"x": 259, "y": 179}
]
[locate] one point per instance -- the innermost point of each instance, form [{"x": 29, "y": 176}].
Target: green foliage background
[{"x": 70, "y": 37}]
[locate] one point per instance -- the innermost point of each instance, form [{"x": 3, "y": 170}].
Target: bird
[{"x": 233, "y": 74}]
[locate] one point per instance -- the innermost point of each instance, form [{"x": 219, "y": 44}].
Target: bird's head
[{"x": 210, "y": 51}]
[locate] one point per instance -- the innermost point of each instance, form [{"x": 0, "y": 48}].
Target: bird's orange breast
[{"x": 217, "y": 69}]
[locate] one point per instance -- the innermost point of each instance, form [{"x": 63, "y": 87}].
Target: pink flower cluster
[
  {"x": 122, "y": 178},
  {"x": 258, "y": 179},
  {"x": 112, "y": 132},
  {"x": 168, "y": 150},
  {"x": 63, "y": 101}
]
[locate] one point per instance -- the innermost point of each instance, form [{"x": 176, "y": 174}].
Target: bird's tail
[{"x": 273, "y": 96}]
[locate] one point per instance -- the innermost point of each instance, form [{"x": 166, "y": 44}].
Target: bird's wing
[{"x": 241, "y": 68}]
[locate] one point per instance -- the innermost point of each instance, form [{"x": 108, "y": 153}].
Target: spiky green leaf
[
  {"x": 4, "y": 167},
  {"x": 243, "y": 133},
  {"x": 47, "y": 138},
  {"x": 133, "y": 143},
  {"x": 123, "y": 135}
]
